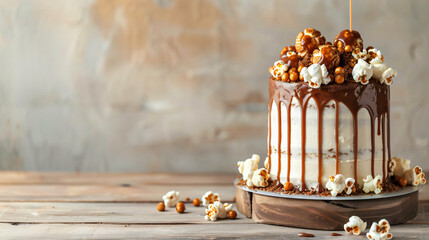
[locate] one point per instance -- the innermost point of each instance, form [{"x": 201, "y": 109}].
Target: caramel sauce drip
[
  {"x": 374, "y": 97},
  {"x": 337, "y": 149},
  {"x": 279, "y": 148},
  {"x": 269, "y": 138}
]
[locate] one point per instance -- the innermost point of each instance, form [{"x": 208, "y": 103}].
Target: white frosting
[
  {"x": 171, "y": 198},
  {"x": 336, "y": 184},
  {"x": 217, "y": 210},
  {"x": 355, "y": 225},
  {"x": 372, "y": 184},
  {"x": 247, "y": 167},
  {"x": 315, "y": 75},
  {"x": 209, "y": 198},
  {"x": 278, "y": 69},
  {"x": 380, "y": 231},
  {"x": 260, "y": 178},
  {"x": 362, "y": 72},
  {"x": 345, "y": 136},
  {"x": 415, "y": 176},
  {"x": 350, "y": 184}
]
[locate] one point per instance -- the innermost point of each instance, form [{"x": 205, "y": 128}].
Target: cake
[
  {"x": 332, "y": 119},
  {"x": 329, "y": 120}
]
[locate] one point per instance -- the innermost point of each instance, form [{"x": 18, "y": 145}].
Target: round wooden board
[{"x": 324, "y": 214}]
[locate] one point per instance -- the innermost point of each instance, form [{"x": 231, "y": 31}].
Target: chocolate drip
[
  {"x": 383, "y": 135},
  {"x": 337, "y": 149},
  {"x": 288, "y": 139},
  {"x": 319, "y": 148},
  {"x": 269, "y": 137},
  {"x": 279, "y": 149},
  {"x": 374, "y": 97}
]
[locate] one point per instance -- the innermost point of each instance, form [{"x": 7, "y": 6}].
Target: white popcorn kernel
[
  {"x": 392, "y": 165},
  {"x": 355, "y": 225},
  {"x": 171, "y": 198},
  {"x": 357, "y": 54},
  {"x": 362, "y": 72},
  {"x": 247, "y": 167},
  {"x": 378, "y": 70},
  {"x": 260, "y": 177},
  {"x": 209, "y": 198},
  {"x": 400, "y": 166},
  {"x": 217, "y": 210},
  {"x": 372, "y": 184},
  {"x": 350, "y": 185},
  {"x": 375, "y": 56},
  {"x": 387, "y": 76},
  {"x": 336, "y": 184},
  {"x": 415, "y": 176},
  {"x": 379, "y": 231},
  {"x": 315, "y": 75},
  {"x": 279, "y": 68}
]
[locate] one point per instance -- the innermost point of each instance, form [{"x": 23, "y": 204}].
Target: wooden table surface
[{"x": 123, "y": 206}]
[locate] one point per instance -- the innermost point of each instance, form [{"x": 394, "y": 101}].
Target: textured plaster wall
[{"x": 178, "y": 85}]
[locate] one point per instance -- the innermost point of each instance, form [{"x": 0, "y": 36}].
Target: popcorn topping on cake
[
  {"x": 372, "y": 184},
  {"x": 415, "y": 176},
  {"x": 247, "y": 167},
  {"x": 350, "y": 186},
  {"x": 315, "y": 75},
  {"x": 171, "y": 198},
  {"x": 326, "y": 55},
  {"x": 278, "y": 69},
  {"x": 380, "y": 231},
  {"x": 336, "y": 184},
  {"x": 260, "y": 177},
  {"x": 362, "y": 72},
  {"x": 308, "y": 40},
  {"x": 355, "y": 225}
]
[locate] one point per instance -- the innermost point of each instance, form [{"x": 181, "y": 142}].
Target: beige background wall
[{"x": 178, "y": 85}]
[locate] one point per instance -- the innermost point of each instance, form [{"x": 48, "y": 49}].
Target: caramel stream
[{"x": 374, "y": 97}]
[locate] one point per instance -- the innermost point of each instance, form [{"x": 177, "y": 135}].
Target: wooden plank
[
  {"x": 126, "y": 213},
  {"x": 113, "y": 213},
  {"x": 107, "y": 193},
  {"x": 215, "y": 231},
  {"x": 67, "y": 178}
]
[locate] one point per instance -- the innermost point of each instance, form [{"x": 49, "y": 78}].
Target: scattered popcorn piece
[
  {"x": 383, "y": 73},
  {"x": 350, "y": 186},
  {"x": 217, "y": 210},
  {"x": 171, "y": 198},
  {"x": 247, "y": 167},
  {"x": 392, "y": 165},
  {"x": 336, "y": 184},
  {"x": 400, "y": 166},
  {"x": 362, "y": 72},
  {"x": 387, "y": 76},
  {"x": 209, "y": 198},
  {"x": 260, "y": 177},
  {"x": 415, "y": 176},
  {"x": 355, "y": 225},
  {"x": 278, "y": 69},
  {"x": 380, "y": 231},
  {"x": 315, "y": 75},
  {"x": 372, "y": 184}
]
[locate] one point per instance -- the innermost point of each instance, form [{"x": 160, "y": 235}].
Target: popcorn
[
  {"x": 260, "y": 177},
  {"x": 362, "y": 72},
  {"x": 247, "y": 167},
  {"x": 326, "y": 55},
  {"x": 400, "y": 166},
  {"x": 209, "y": 198},
  {"x": 415, "y": 176},
  {"x": 372, "y": 184},
  {"x": 217, "y": 210},
  {"x": 375, "y": 56},
  {"x": 358, "y": 54},
  {"x": 355, "y": 225},
  {"x": 171, "y": 198},
  {"x": 336, "y": 184},
  {"x": 383, "y": 73},
  {"x": 315, "y": 75},
  {"x": 278, "y": 69},
  {"x": 380, "y": 231},
  {"x": 308, "y": 40},
  {"x": 350, "y": 186}
]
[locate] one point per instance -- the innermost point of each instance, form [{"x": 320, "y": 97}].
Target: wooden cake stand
[{"x": 325, "y": 213}]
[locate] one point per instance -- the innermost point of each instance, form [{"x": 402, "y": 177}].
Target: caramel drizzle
[
  {"x": 288, "y": 139},
  {"x": 337, "y": 149},
  {"x": 279, "y": 148},
  {"x": 351, "y": 95},
  {"x": 269, "y": 138}
]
